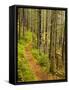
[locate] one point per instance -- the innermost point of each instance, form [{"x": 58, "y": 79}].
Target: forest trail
[{"x": 35, "y": 67}]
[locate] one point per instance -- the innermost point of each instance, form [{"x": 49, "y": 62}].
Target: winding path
[{"x": 35, "y": 67}]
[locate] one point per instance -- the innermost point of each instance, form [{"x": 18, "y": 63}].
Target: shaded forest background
[{"x": 41, "y": 44}]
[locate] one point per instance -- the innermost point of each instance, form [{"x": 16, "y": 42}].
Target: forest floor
[{"x": 35, "y": 67}]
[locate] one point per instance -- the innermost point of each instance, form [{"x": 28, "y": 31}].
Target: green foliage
[
  {"x": 44, "y": 62},
  {"x": 34, "y": 41},
  {"x": 35, "y": 53},
  {"x": 42, "y": 59},
  {"x": 20, "y": 50},
  {"x": 28, "y": 36},
  {"x": 26, "y": 39},
  {"x": 24, "y": 72}
]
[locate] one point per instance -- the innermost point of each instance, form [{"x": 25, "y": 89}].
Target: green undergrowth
[
  {"x": 24, "y": 72},
  {"x": 42, "y": 59}
]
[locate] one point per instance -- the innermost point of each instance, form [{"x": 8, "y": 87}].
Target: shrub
[
  {"x": 42, "y": 59},
  {"x": 44, "y": 62}
]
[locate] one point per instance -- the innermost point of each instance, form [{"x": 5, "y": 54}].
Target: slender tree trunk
[
  {"x": 63, "y": 50},
  {"x": 39, "y": 30},
  {"x": 23, "y": 22},
  {"x": 52, "y": 42},
  {"x": 31, "y": 20},
  {"x": 46, "y": 45},
  {"x": 19, "y": 16}
]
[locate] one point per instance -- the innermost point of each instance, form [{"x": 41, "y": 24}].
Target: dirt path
[{"x": 35, "y": 67}]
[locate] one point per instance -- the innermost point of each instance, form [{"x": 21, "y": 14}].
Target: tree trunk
[
  {"x": 23, "y": 22},
  {"x": 52, "y": 42},
  {"x": 46, "y": 45},
  {"x": 39, "y": 30}
]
